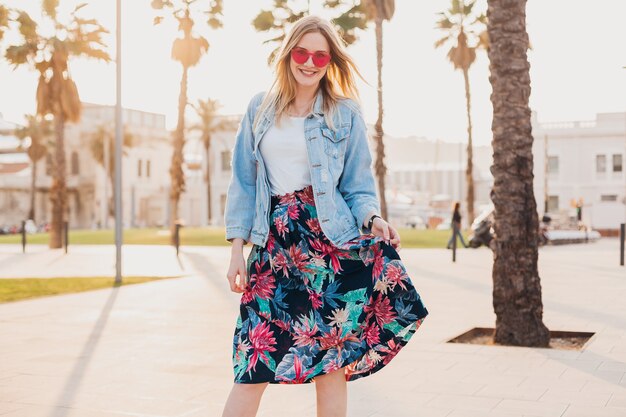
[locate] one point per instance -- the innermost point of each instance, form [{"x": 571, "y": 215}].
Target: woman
[
  {"x": 456, "y": 226},
  {"x": 320, "y": 301}
]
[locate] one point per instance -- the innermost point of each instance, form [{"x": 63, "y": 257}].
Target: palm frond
[
  {"x": 27, "y": 26},
  {"x": 264, "y": 21},
  {"x": 467, "y": 8},
  {"x": 442, "y": 41},
  {"x": 278, "y": 39},
  {"x": 20, "y": 54},
  {"x": 50, "y": 8},
  {"x": 78, "y": 7},
  {"x": 161, "y": 4},
  {"x": 4, "y": 20},
  {"x": 455, "y": 8},
  {"x": 444, "y": 23}
]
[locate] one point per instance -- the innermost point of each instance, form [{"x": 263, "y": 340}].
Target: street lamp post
[{"x": 118, "y": 144}]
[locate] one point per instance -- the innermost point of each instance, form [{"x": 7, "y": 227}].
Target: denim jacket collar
[
  {"x": 268, "y": 118},
  {"x": 318, "y": 107}
]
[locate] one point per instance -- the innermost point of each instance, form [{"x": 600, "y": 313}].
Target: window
[
  {"x": 608, "y": 197},
  {"x": 225, "y": 160},
  {"x": 148, "y": 168},
  {"x": 553, "y": 203},
  {"x": 600, "y": 164},
  {"x": 139, "y": 167},
  {"x": 75, "y": 165},
  {"x": 617, "y": 162},
  {"x": 553, "y": 165}
]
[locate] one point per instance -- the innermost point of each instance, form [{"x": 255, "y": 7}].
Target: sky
[{"x": 576, "y": 62}]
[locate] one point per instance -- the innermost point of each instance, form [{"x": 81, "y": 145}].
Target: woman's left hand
[{"x": 383, "y": 229}]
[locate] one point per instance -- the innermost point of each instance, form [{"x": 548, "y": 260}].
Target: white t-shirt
[{"x": 284, "y": 152}]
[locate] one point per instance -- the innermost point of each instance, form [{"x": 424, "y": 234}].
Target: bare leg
[
  {"x": 244, "y": 400},
  {"x": 332, "y": 394}
]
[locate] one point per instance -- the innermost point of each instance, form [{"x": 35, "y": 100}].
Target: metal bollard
[
  {"x": 622, "y": 236},
  {"x": 453, "y": 245},
  {"x": 177, "y": 237},
  {"x": 66, "y": 226},
  {"x": 23, "y": 236}
]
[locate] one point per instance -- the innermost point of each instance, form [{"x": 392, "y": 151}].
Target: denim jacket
[{"x": 343, "y": 185}]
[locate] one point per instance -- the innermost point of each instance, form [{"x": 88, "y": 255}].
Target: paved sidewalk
[
  {"x": 87, "y": 261},
  {"x": 164, "y": 348}
]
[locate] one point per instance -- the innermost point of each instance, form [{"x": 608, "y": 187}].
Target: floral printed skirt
[{"x": 311, "y": 307}]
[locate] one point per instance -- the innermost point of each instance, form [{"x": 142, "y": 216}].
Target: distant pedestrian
[
  {"x": 456, "y": 225},
  {"x": 579, "y": 210}
]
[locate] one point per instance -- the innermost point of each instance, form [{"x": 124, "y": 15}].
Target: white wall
[{"x": 576, "y": 144}]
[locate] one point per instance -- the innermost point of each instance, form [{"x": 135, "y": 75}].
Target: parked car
[
  {"x": 30, "y": 226},
  {"x": 416, "y": 222},
  {"x": 482, "y": 228}
]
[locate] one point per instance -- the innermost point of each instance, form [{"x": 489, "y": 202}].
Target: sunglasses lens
[
  {"x": 320, "y": 59},
  {"x": 299, "y": 55}
]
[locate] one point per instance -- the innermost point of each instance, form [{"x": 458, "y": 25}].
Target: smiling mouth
[{"x": 307, "y": 73}]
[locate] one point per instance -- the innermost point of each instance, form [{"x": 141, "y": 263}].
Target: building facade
[
  {"x": 574, "y": 163},
  {"x": 582, "y": 163},
  {"x": 145, "y": 170}
]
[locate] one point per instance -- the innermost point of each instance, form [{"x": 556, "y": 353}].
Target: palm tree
[
  {"x": 465, "y": 31},
  {"x": 102, "y": 145},
  {"x": 379, "y": 10},
  {"x": 57, "y": 94},
  {"x": 38, "y": 130},
  {"x": 4, "y": 20},
  {"x": 357, "y": 16},
  {"x": 208, "y": 124},
  {"x": 187, "y": 50},
  {"x": 516, "y": 284}
]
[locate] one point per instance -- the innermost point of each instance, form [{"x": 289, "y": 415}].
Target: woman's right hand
[{"x": 237, "y": 268}]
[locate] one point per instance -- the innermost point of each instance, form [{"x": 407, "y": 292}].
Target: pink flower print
[
  {"x": 371, "y": 334},
  {"x": 395, "y": 274},
  {"x": 315, "y": 299},
  {"x": 262, "y": 342},
  {"x": 281, "y": 227},
  {"x": 380, "y": 309},
  {"x": 314, "y": 226},
  {"x": 293, "y": 212}
]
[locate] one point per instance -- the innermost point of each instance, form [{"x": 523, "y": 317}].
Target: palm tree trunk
[
  {"x": 379, "y": 164},
  {"x": 33, "y": 189},
  {"x": 111, "y": 197},
  {"x": 58, "y": 190},
  {"x": 208, "y": 180},
  {"x": 469, "y": 170},
  {"x": 176, "y": 169},
  {"x": 516, "y": 283}
]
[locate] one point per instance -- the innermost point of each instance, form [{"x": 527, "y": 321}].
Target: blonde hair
[{"x": 338, "y": 82}]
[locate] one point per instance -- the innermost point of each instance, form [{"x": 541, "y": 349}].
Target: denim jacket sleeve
[
  {"x": 357, "y": 184},
  {"x": 241, "y": 192}
]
